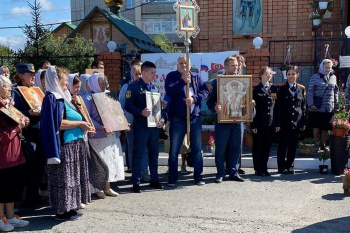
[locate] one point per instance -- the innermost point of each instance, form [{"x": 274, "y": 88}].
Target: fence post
[{"x": 112, "y": 62}]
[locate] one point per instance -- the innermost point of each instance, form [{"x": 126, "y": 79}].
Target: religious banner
[
  {"x": 234, "y": 94},
  {"x": 208, "y": 65}
]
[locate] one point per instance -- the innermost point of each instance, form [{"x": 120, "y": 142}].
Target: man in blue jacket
[{"x": 175, "y": 88}]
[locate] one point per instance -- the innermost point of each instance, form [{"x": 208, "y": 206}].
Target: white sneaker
[
  {"x": 82, "y": 206},
  {"x": 111, "y": 193},
  {"x": 101, "y": 195},
  {"x": 183, "y": 169},
  {"x": 145, "y": 177},
  {"x": 4, "y": 225},
  {"x": 18, "y": 222}
]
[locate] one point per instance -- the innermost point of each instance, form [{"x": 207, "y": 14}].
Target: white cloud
[
  {"x": 46, "y": 5},
  {"x": 18, "y": 11},
  {"x": 14, "y": 42}
]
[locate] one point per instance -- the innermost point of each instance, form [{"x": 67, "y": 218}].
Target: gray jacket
[{"x": 318, "y": 86}]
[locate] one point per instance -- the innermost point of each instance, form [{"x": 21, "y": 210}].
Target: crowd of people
[{"x": 56, "y": 152}]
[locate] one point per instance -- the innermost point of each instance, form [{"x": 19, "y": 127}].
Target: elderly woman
[
  {"x": 107, "y": 145},
  {"x": 35, "y": 165},
  {"x": 64, "y": 146},
  {"x": 322, "y": 99},
  {"x": 11, "y": 161},
  {"x": 5, "y": 71}
]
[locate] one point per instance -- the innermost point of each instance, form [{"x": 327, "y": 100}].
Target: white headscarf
[
  {"x": 93, "y": 82},
  {"x": 83, "y": 78},
  {"x": 70, "y": 81},
  {"x": 320, "y": 70},
  {"x": 53, "y": 85},
  {"x": 37, "y": 80}
]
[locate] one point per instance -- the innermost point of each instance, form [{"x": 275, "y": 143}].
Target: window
[
  {"x": 155, "y": 26},
  {"x": 129, "y": 4}
]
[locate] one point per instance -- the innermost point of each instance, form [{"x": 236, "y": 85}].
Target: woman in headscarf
[
  {"x": 107, "y": 145},
  {"x": 98, "y": 170},
  {"x": 322, "y": 99},
  {"x": 11, "y": 161},
  {"x": 84, "y": 85},
  {"x": 64, "y": 146},
  {"x": 40, "y": 79}
]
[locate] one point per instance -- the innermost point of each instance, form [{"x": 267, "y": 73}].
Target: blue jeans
[
  {"x": 177, "y": 133},
  {"x": 227, "y": 134},
  {"x": 130, "y": 141},
  {"x": 145, "y": 140}
]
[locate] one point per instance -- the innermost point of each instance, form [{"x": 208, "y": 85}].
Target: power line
[{"x": 77, "y": 20}]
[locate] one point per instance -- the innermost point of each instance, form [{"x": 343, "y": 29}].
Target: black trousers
[
  {"x": 261, "y": 148},
  {"x": 287, "y": 148}
]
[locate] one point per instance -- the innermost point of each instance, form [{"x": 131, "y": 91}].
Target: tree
[
  {"x": 36, "y": 31},
  {"x": 167, "y": 46}
]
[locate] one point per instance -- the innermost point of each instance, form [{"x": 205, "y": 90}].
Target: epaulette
[{"x": 300, "y": 85}]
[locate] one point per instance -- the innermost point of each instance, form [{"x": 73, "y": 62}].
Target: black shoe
[
  {"x": 284, "y": 172},
  {"x": 136, "y": 188},
  {"x": 66, "y": 216},
  {"x": 290, "y": 171},
  {"x": 218, "y": 180},
  {"x": 241, "y": 171},
  {"x": 266, "y": 173},
  {"x": 156, "y": 185},
  {"x": 259, "y": 174},
  {"x": 237, "y": 178}
]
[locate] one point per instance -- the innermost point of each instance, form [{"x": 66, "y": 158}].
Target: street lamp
[{"x": 257, "y": 42}]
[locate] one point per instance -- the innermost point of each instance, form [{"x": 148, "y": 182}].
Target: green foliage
[
  {"x": 323, "y": 155},
  {"x": 342, "y": 113},
  {"x": 36, "y": 31},
  {"x": 162, "y": 41},
  {"x": 208, "y": 120},
  {"x": 309, "y": 141}
]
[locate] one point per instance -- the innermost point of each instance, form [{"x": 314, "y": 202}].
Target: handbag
[
  {"x": 189, "y": 159},
  {"x": 27, "y": 147},
  {"x": 318, "y": 101}
]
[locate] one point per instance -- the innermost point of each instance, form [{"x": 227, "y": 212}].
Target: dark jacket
[
  {"x": 135, "y": 99},
  {"x": 51, "y": 118},
  {"x": 265, "y": 106},
  {"x": 175, "y": 88},
  {"x": 290, "y": 110}
]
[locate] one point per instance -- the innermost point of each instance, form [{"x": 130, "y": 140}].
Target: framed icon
[
  {"x": 153, "y": 102},
  {"x": 235, "y": 96},
  {"x": 187, "y": 18},
  {"x": 33, "y": 96},
  {"x": 111, "y": 113},
  {"x": 81, "y": 108},
  {"x": 13, "y": 113}
]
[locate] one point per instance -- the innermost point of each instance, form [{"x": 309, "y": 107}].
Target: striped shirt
[{"x": 318, "y": 86}]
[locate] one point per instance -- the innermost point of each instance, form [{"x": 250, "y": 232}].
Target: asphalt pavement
[{"x": 305, "y": 202}]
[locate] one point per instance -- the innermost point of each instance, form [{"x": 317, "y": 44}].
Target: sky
[{"x": 16, "y": 13}]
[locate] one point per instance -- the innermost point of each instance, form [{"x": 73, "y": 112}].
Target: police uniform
[
  {"x": 264, "y": 122},
  {"x": 290, "y": 117},
  {"x": 145, "y": 138}
]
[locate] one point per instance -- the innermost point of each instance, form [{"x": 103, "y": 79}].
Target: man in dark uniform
[
  {"x": 264, "y": 94},
  {"x": 290, "y": 117},
  {"x": 175, "y": 87},
  {"x": 145, "y": 138}
]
